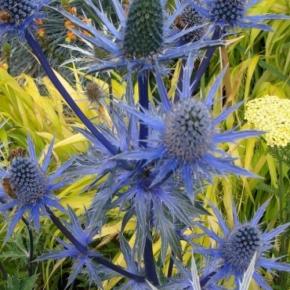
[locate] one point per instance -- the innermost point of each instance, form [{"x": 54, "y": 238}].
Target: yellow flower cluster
[{"x": 272, "y": 115}]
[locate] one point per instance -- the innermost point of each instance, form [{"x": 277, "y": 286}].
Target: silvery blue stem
[
  {"x": 37, "y": 50},
  {"x": 150, "y": 269},
  {"x": 204, "y": 280},
  {"x": 31, "y": 247},
  {"x": 84, "y": 250},
  {"x": 144, "y": 103},
  {"x": 205, "y": 62}
]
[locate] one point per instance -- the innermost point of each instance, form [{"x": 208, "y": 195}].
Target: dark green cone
[{"x": 144, "y": 29}]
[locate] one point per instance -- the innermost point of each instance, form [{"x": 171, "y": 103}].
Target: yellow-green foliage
[{"x": 259, "y": 65}]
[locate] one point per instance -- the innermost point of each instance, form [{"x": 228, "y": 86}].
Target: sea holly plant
[
  {"x": 28, "y": 186},
  {"x": 150, "y": 160},
  {"x": 144, "y": 35},
  {"x": 237, "y": 247}
]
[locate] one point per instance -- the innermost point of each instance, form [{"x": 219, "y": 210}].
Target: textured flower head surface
[
  {"x": 233, "y": 13},
  {"x": 271, "y": 114},
  {"x": 17, "y": 15},
  {"x": 28, "y": 187},
  {"x": 191, "y": 18},
  {"x": 184, "y": 137},
  {"x": 236, "y": 248},
  {"x": 84, "y": 233},
  {"x": 145, "y": 36}
]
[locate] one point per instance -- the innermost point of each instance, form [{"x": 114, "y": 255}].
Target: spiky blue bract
[
  {"x": 236, "y": 248},
  {"x": 29, "y": 187},
  {"x": 163, "y": 207},
  {"x": 185, "y": 138},
  {"x": 147, "y": 35},
  {"x": 132, "y": 266},
  {"x": 20, "y": 15},
  {"x": 84, "y": 233},
  {"x": 234, "y": 13},
  {"x": 127, "y": 187},
  {"x": 188, "y": 279}
]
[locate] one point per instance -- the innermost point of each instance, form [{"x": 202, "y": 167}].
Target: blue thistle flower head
[
  {"x": 237, "y": 247},
  {"x": 128, "y": 187},
  {"x": 18, "y": 15},
  {"x": 27, "y": 186},
  {"x": 240, "y": 247},
  {"x": 184, "y": 137},
  {"x": 140, "y": 39},
  {"x": 233, "y": 13},
  {"x": 191, "y": 18},
  {"x": 84, "y": 232}
]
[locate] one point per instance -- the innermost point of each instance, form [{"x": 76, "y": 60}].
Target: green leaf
[{"x": 25, "y": 283}]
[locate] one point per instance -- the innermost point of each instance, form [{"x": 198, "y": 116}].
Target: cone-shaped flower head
[
  {"x": 238, "y": 246},
  {"x": 140, "y": 38},
  {"x": 188, "y": 130},
  {"x": 233, "y": 13},
  {"x": 184, "y": 137},
  {"x": 144, "y": 28},
  {"x": 28, "y": 187},
  {"x": 17, "y": 15},
  {"x": 27, "y": 180},
  {"x": 190, "y": 18},
  {"x": 227, "y": 11}
]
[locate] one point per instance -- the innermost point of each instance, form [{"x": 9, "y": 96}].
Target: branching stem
[{"x": 85, "y": 250}]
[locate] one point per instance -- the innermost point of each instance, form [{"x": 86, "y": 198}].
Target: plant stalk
[
  {"x": 150, "y": 268},
  {"x": 284, "y": 218},
  {"x": 37, "y": 50},
  {"x": 31, "y": 247},
  {"x": 205, "y": 62},
  {"x": 84, "y": 250},
  {"x": 144, "y": 104}
]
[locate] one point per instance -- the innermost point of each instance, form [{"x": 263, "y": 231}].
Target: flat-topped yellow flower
[{"x": 271, "y": 114}]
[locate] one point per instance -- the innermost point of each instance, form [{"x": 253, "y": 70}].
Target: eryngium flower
[
  {"x": 143, "y": 37},
  {"x": 190, "y": 18},
  {"x": 84, "y": 234},
  {"x": 144, "y": 29},
  {"x": 185, "y": 138},
  {"x": 127, "y": 187},
  {"x": 236, "y": 248},
  {"x": 233, "y": 13},
  {"x": 17, "y": 15},
  {"x": 29, "y": 187}
]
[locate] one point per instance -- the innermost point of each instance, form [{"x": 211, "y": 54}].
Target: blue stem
[
  {"x": 85, "y": 251},
  {"x": 37, "y": 50},
  {"x": 150, "y": 269},
  {"x": 205, "y": 61},
  {"x": 144, "y": 103}
]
